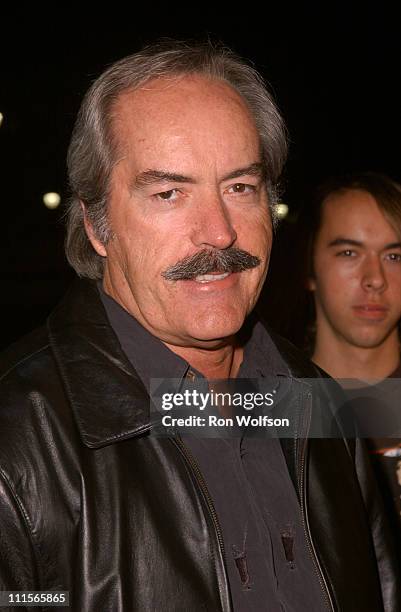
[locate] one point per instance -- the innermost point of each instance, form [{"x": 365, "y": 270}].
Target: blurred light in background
[
  {"x": 51, "y": 200},
  {"x": 281, "y": 210},
  {"x": 1, "y": 118}
]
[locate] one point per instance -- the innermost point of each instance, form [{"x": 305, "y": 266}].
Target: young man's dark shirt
[{"x": 377, "y": 409}]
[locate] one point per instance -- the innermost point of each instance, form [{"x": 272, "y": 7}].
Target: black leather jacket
[{"x": 90, "y": 503}]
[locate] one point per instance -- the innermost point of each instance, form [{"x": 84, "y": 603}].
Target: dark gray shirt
[{"x": 267, "y": 559}]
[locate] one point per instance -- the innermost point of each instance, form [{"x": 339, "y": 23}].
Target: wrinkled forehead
[
  {"x": 195, "y": 103},
  {"x": 184, "y": 89}
]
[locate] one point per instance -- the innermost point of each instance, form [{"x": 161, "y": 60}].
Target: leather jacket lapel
[{"x": 109, "y": 400}]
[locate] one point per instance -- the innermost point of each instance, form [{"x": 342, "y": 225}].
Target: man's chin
[
  {"x": 369, "y": 340},
  {"x": 212, "y": 336},
  {"x": 210, "y": 344}
]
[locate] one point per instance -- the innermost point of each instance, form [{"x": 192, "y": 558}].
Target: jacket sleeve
[
  {"x": 18, "y": 569},
  {"x": 385, "y": 550}
]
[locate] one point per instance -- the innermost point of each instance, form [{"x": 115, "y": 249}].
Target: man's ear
[
  {"x": 95, "y": 242},
  {"x": 310, "y": 283}
]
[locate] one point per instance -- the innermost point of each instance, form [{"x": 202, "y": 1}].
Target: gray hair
[{"x": 93, "y": 149}]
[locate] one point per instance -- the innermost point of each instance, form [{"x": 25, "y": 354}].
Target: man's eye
[
  {"x": 346, "y": 253},
  {"x": 242, "y": 188},
  {"x": 394, "y": 257},
  {"x": 170, "y": 196}
]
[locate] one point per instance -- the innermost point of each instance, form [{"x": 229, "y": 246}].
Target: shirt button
[{"x": 191, "y": 375}]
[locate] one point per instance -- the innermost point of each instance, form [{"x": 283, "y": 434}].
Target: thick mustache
[{"x": 206, "y": 261}]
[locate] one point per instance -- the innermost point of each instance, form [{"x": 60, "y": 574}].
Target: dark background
[{"x": 334, "y": 70}]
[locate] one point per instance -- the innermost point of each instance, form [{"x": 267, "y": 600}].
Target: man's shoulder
[
  {"x": 34, "y": 416},
  {"x": 19, "y": 356},
  {"x": 29, "y": 380}
]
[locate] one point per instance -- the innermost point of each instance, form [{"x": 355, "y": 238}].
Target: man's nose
[
  {"x": 373, "y": 276},
  {"x": 212, "y": 225}
]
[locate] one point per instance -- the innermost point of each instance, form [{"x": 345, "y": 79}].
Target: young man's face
[
  {"x": 187, "y": 181},
  {"x": 357, "y": 272}
]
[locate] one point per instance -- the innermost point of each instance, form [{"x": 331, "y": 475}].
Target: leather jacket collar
[{"x": 86, "y": 349}]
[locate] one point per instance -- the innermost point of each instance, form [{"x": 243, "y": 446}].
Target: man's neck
[
  {"x": 219, "y": 363},
  {"x": 343, "y": 360}
]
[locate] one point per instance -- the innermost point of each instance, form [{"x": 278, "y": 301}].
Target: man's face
[
  {"x": 187, "y": 180},
  {"x": 357, "y": 272}
]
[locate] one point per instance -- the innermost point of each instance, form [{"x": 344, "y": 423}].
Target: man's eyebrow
[
  {"x": 255, "y": 169},
  {"x": 350, "y": 242},
  {"x": 151, "y": 177},
  {"x": 393, "y": 245},
  {"x": 340, "y": 241}
]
